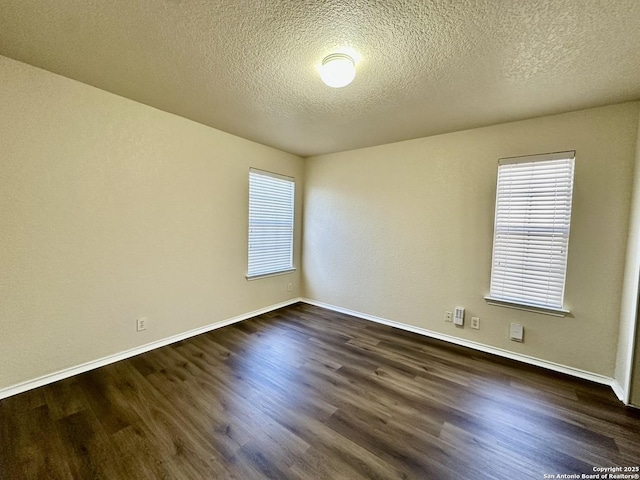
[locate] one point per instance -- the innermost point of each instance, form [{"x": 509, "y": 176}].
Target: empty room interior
[{"x": 218, "y": 259}]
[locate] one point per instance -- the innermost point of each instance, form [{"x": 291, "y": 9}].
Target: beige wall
[
  {"x": 404, "y": 232},
  {"x": 635, "y": 381},
  {"x": 110, "y": 210},
  {"x": 628, "y": 365}
]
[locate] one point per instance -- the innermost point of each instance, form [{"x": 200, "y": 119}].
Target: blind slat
[
  {"x": 271, "y": 216},
  {"x": 531, "y": 236}
]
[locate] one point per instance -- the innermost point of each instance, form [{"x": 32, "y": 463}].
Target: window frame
[
  {"x": 255, "y": 207},
  {"x": 521, "y": 303}
]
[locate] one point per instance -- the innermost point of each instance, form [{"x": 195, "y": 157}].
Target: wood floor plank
[
  {"x": 34, "y": 446},
  {"x": 303, "y": 393},
  {"x": 65, "y": 398}
]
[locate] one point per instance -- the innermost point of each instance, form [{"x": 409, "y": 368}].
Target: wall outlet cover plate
[{"x": 516, "y": 332}]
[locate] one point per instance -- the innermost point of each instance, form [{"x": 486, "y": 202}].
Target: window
[
  {"x": 271, "y": 198},
  {"x": 531, "y": 235}
]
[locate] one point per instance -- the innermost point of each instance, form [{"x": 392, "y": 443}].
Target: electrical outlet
[
  {"x": 475, "y": 323},
  {"x": 141, "y": 324},
  {"x": 448, "y": 316},
  {"x": 289, "y": 287}
]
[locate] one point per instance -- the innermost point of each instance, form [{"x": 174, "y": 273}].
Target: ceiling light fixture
[{"x": 338, "y": 70}]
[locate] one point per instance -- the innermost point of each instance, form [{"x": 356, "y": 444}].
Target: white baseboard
[
  {"x": 85, "y": 367},
  {"x": 556, "y": 367},
  {"x": 619, "y": 391}
]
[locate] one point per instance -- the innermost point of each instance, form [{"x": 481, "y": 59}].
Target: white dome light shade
[{"x": 338, "y": 70}]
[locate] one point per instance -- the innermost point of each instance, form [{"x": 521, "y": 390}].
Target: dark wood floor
[{"x": 304, "y": 393}]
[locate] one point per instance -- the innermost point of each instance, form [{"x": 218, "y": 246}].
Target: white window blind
[
  {"x": 271, "y": 200},
  {"x": 531, "y": 236}
]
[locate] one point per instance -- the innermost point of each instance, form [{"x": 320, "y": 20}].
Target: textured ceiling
[{"x": 426, "y": 67}]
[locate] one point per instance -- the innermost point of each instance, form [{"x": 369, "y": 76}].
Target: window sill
[
  {"x": 556, "y": 312},
  {"x": 272, "y": 274}
]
